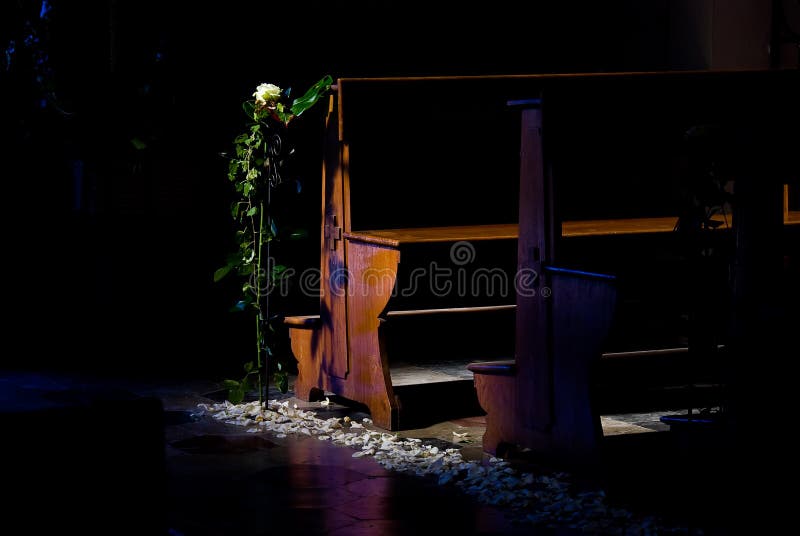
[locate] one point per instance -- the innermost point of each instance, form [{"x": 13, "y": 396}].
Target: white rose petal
[
  {"x": 495, "y": 482},
  {"x": 265, "y": 93}
]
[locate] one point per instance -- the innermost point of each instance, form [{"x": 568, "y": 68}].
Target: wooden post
[{"x": 533, "y": 355}]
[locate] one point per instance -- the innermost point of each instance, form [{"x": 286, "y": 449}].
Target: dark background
[{"x": 109, "y": 250}]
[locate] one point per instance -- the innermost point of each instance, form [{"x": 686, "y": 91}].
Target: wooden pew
[
  {"x": 596, "y": 275},
  {"x": 418, "y": 249},
  {"x": 416, "y": 168}
]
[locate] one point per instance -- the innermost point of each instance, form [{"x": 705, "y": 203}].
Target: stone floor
[{"x": 87, "y": 458}]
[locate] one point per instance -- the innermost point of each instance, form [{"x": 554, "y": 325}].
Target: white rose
[{"x": 267, "y": 93}]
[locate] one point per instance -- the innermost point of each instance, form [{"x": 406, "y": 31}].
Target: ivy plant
[{"x": 261, "y": 154}]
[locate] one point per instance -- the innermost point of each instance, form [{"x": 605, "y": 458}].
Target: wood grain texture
[
  {"x": 303, "y": 321},
  {"x": 307, "y": 350},
  {"x": 333, "y": 306},
  {"x": 497, "y": 395},
  {"x": 535, "y": 251},
  {"x": 320, "y": 346},
  {"x": 450, "y": 310},
  {"x": 569, "y": 229},
  {"x": 372, "y": 272},
  {"x": 785, "y": 203},
  {"x": 397, "y": 237},
  {"x": 582, "y": 310},
  {"x": 618, "y": 226}
]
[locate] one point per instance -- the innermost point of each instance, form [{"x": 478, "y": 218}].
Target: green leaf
[
  {"x": 311, "y": 96},
  {"x": 247, "y": 382},
  {"x": 248, "y": 366},
  {"x": 279, "y": 272},
  {"x": 231, "y": 384},
  {"x": 283, "y": 115},
  {"x": 273, "y": 228},
  {"x": 221, "y": 272},
  {"x": 138, "y": 144},
  {"x": 281, "y": 380},
  {"x": 253, "y": 211},
  {"x": 249, "y": 108},
  {"x": 235, "y": 396}
]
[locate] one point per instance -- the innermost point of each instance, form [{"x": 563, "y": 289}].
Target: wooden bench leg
[
  {"x": 497, "y": 396},
  {"x": 307, "y": 350},
  {"x": 582, "y": 310},
  {"x": 384, "y": 413},
  {"x": 369, "y": 380},
  {"x": 370, "y": 368}
]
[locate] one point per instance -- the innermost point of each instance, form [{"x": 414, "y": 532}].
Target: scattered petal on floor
[
  {"x": 460, "y": 437},
  {"x": 535, "y": 499}
]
